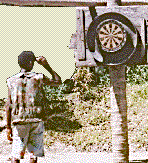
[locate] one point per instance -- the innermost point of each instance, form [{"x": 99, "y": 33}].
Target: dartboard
[{"x": 111, "y": 35}]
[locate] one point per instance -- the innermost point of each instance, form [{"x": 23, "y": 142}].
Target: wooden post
[{"x": 119, "y": 125}]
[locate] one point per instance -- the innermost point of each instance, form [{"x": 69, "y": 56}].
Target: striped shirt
[{"x": 27, "y": 97}]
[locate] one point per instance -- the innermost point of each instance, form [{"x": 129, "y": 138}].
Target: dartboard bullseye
[{"x": 111, "y": 35}]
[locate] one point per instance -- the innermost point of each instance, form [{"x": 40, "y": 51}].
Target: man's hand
[
  {"x": 9, "y": 134},
  {"x": 42, "y": 61},
  {"x": 56, "y": 79}
]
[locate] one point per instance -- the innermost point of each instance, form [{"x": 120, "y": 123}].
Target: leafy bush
[
  {"x": 85, "y": 85},
  {"x": 55, "y": 100},
  {"x": 134, "y": 74},
  {"x": 137, "y": 74},
  {"x": 102, "y": 75},
  {"x": 83, "y": 79}
]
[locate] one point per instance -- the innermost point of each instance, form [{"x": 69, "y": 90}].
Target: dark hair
[{"x": 24, "y": 59}]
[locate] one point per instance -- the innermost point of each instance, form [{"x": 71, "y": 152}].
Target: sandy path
[{"x": 59, "y": 153}]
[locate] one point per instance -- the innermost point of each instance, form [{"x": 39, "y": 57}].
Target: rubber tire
[{"x": 118, "y": 57}]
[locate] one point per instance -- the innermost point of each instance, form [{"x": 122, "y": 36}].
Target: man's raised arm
[{"x": 56, "y": 79}]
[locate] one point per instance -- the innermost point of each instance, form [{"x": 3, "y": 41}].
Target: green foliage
[
  {"x": 54, "y": 93},
  {"x": 92, "y": 138},
  {"x": 88, "y": 112},
  {"x": 85, "y": 84},
  {"x": 134, "y": 74},
  {"x": 83, "y": 80},
  {"x": 103, "y": 77},
  {"x": 85, "y": 122},
  {"x": 55, "y": 102},
  {"x": 137, "y": 74}
]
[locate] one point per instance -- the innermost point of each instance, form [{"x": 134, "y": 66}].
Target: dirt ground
[{"x": 60, "y": 153}]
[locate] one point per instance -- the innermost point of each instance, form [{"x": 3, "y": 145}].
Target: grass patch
[
  {"x": 84, "y": 121},
  {"x": 137, "y": 96},
  {"x": 92, "y": 131}
]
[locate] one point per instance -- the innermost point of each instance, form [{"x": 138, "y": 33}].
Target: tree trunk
[{"x": 119, "y": 126}]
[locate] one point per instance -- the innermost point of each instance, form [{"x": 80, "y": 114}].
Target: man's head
[{"x": 26, "y": 60}]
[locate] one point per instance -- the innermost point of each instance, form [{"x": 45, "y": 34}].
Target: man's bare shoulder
[
  {"x": 13, "y": 78},
  {"x": 38, "y": 76},
  {"x": 28, "y": 74},
  {"x": 16, "y": 77}
]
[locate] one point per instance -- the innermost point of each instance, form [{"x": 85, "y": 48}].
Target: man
[{"x": 24, "y": 107}]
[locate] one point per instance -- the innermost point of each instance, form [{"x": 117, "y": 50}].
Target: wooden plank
[
  {"x": 147, "y": 39},
  {"x": 133, "y": 13},
  {"x": 68, "y": 3},
  {"x": 80, "y": 36},
  {"x": 143, "y": 32},
  {"x": 90, "y": 62}
]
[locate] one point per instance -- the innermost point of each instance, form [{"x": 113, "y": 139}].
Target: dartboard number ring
[{"x": 111, "y": 35}]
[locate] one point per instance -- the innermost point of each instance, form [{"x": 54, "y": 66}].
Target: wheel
[{"x": 115, "y": 37}]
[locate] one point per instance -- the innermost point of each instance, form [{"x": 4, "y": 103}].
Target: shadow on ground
[
  {"x": 62, "y": 124},
  {"x": 59, "y": 117}
]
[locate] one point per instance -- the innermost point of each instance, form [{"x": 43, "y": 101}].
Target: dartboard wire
[
  {"x": 117, "y": 31},
  {"x": 108, "y": 28},
  {"x": 117, "y": 41},
  {"x": 113, "y": 43},
  {"x": 108, "y": 43},
  {"x": 118, "y": 36},
  {"x": 104, "y": 31},
  {"x": 101, "y": 36},
  {"x": 113, "y": 27},
  {"x": 105, "y": 41}
]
